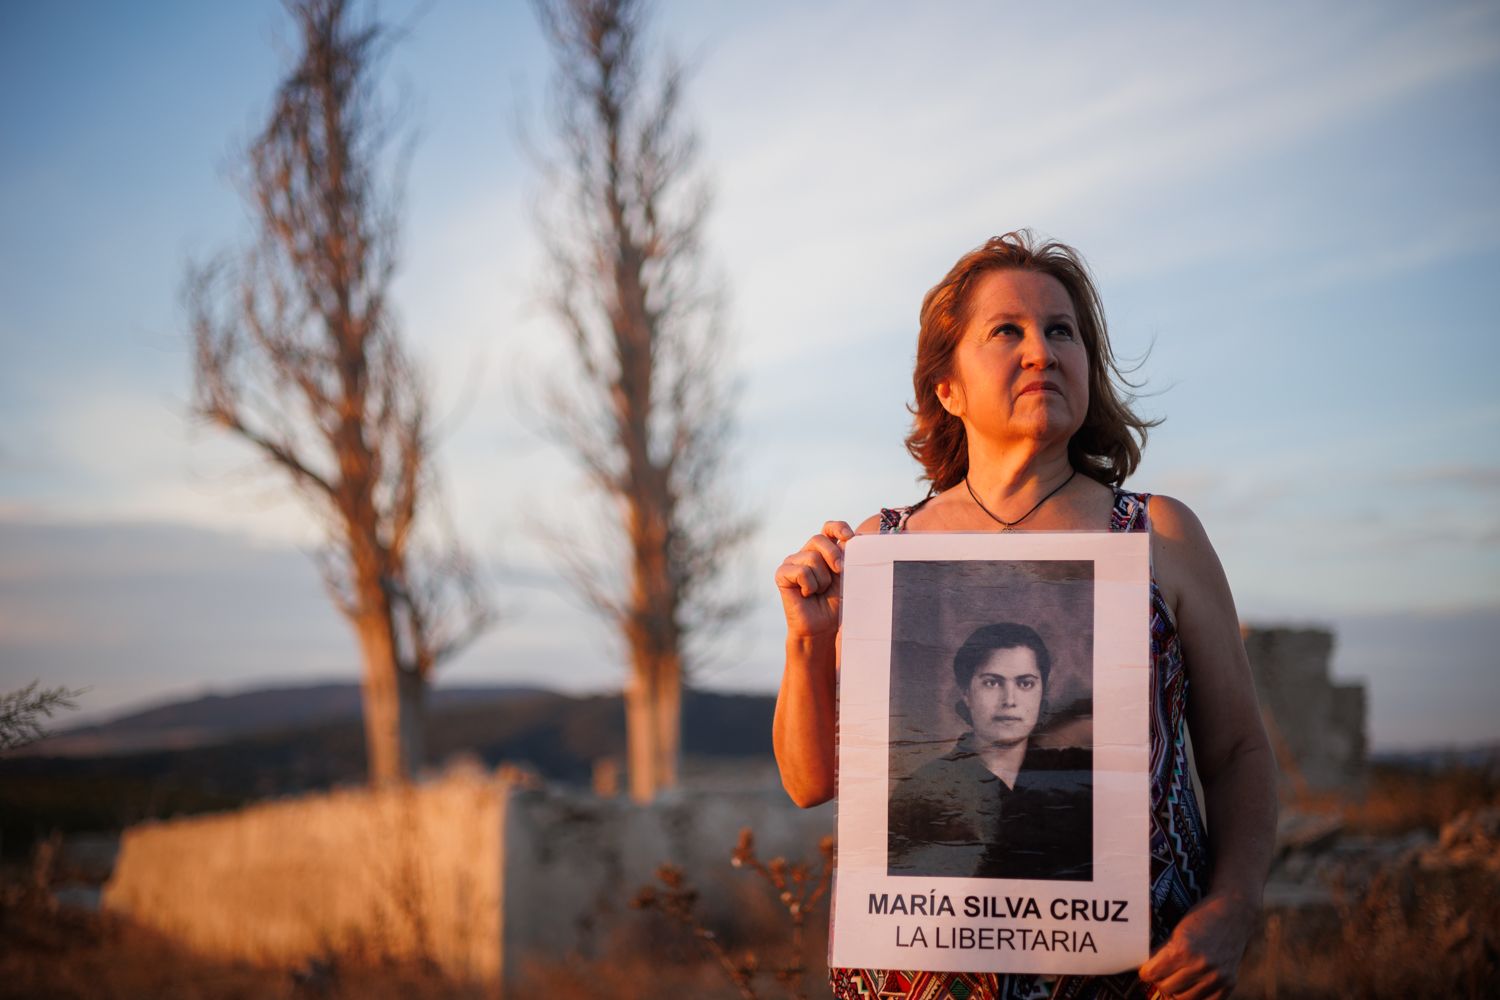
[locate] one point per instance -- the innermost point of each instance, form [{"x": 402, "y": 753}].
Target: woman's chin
[
  {"x": 1043, "y": 427},
  {"x": 1004, "y": 739}
]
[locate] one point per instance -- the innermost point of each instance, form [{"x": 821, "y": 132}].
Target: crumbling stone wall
[
  {"x": 480, "y": 874},
  {"x": 574, "y": 861},
  {"x": 1317, "y": 727},
  {"x": 413, "y": 873}
]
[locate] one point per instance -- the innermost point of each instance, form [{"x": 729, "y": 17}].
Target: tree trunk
[
  {"x": 390, "y": 738},
  {"x": 653, "y": 724},
  {"x": 640, "y": 734},
  {"x": 654, "y": 701},
  {"x": 668, "y": 721}
]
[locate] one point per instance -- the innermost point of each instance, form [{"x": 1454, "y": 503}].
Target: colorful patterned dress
[{"x": 1179, "y": 843}]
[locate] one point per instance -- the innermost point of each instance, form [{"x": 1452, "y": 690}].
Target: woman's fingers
[
  {"x": 838, "y": 530},
  {"x": 809, "y": 578},
  {"x": 1203, "y": 989},
  {"x": 804, "y": 574},
  {"x": 1184, "y": 982},
  {"x": 832, "y": 551},
  {"x": 1198, "y": 961}
]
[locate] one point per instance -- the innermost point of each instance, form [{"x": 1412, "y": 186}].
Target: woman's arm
[
  {"x": 1233, "y": 756},
  {"x": 802, "y": 733}
]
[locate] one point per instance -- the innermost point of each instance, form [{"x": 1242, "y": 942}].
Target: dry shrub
[
  {"x": 1403, "y": 798},
  {"x": 755, "y": 937},
  {"x": 1426, "y": 926},
  {"x": 50, "y": 952},
  {"x": 1443, "y": 945},
  {"x": 644, "y": 956},
  {"x": 669, "y": 967}
]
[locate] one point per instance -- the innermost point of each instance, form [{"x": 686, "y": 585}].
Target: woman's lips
[{"x": 1039, "y": 387}]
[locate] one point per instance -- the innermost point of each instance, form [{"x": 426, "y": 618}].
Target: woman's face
[
  {"x": 1004, "y": 697},
  {"x": 1021, "y": 369}
]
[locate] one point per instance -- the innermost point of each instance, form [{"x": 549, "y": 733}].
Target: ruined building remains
[{"x": 1317, "y": 727}]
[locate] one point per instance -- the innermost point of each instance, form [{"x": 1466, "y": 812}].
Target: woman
[
  {"x": 1019, "y": 425},
  {"x": 997, "y": 805}
]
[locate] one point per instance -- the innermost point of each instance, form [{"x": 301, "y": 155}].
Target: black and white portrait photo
[
  {"x": 993, "y": 728},
  {"x": 991, "y": 705}
]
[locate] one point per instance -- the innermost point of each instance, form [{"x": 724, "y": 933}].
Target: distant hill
[
  {"x": 222, "y": 751},
  {"x": 219, "y": 718}
]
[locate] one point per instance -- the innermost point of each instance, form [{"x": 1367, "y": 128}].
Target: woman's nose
[{"x": 1037, "y": 351}]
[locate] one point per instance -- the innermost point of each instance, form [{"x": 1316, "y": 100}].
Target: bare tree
[
  {"x": 647, "y": 413},
  {"x": 296, "y": 353}
]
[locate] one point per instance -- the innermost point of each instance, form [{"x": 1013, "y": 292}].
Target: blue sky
[{"x": 1293, "y": 211}]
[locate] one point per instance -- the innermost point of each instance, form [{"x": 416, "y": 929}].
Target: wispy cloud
[
  {"x": 868, "y": 165},
  {"x": 1485, "y": 478}
]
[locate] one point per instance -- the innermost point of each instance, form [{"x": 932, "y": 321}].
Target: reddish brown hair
[{"x": 1108, "y": 445}]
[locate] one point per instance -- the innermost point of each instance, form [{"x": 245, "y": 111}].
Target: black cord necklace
[{"x": 1007, "y": 525}]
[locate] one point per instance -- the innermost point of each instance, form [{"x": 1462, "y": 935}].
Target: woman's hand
[
  {"x": 810, "y": 581},
  {"x": 1201, "y": 958}
]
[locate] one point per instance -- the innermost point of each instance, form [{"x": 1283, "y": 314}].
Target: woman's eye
[
  {"x": 1006, "y": 330},
  {"x": 1060, "y": 330},
  {"x": 1027, "y": 683}
]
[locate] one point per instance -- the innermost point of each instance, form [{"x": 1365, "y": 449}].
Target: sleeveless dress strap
[
  {"x": 1131, "y": 511},
  {"x": 893, "y": 519}
]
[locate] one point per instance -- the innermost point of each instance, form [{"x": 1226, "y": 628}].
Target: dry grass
[
  {"x": 49, "y": 953},
  {"x": 667, "y": 965},
  {"x": 1413, "y": 933},
  {"x": 1403, "y": 799},
  {"x": 651, "y": 955},
  {"x": 1423, "y": 921}
]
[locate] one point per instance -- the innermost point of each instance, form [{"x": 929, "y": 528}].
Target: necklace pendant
[{"x": 1007, "y": 525}]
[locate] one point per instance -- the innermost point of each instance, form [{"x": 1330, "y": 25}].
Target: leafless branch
[
  {"x": 799, "y": 887},
  {"x": 22, "y": 712}
]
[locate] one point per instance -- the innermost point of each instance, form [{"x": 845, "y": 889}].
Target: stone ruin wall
[
  {"x": 482, "y": 874},
  {"x": 574, "y": 862},
  {"x": 1317, "y": 726}
]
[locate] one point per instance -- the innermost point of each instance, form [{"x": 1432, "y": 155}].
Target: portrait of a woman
[{"x": 997, "y": 805}]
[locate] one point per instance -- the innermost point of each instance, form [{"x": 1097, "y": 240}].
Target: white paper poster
[{"x": 993, "y": 792}]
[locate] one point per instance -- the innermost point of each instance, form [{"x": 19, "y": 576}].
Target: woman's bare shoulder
[
  {"x": 869, "y": 526},
  {"x": 1166, "y": 508},
  {"x": 1183, "y": 558},
  {"x": 933, "y": 513},
  {"x": 1175, "y": 523}
]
